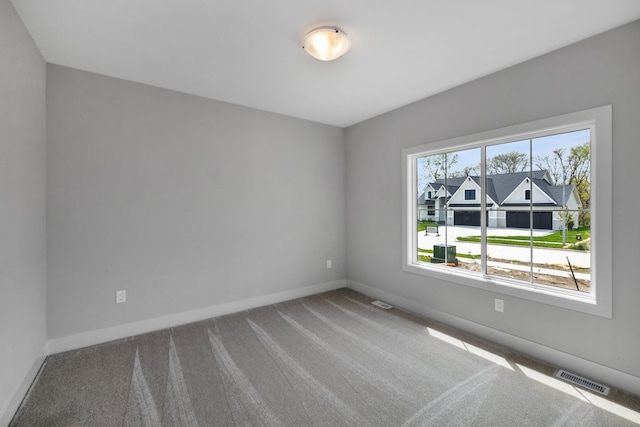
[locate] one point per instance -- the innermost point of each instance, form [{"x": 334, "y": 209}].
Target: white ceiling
[{"x": 248, "y": 52}]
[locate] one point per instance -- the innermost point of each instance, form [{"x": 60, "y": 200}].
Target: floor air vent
[
  {"x": 382, "y": 304},
  {"x": 583, "y": 382}
]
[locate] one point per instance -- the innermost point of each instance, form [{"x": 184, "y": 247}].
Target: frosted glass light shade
[{"x": 326, "y": 43}]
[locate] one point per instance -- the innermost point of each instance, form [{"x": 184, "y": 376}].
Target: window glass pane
[
  {"x": 562, "y": 258},
  {"x": 452, "y": 214},
  {"x": 509, "y": 233}
]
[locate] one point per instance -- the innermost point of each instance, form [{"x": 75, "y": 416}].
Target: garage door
[
  {"x": 466, "y": 218},
  {"x": 541, "y": 220}
]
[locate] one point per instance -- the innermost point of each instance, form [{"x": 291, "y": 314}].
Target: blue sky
[{"x": 540, "y": 147}]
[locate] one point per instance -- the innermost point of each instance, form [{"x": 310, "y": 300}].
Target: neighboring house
[
  {"x": 426, "y": 204},
  {"x": 510, "y": 198}
]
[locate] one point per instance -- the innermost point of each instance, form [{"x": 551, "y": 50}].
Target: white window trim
[{"x": 599, "y": 301}]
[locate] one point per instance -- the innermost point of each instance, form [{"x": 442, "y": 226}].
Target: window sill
[{"x": 567, "y": 299}]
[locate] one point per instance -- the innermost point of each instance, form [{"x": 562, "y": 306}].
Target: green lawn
[{"x": 553, "y": 240}]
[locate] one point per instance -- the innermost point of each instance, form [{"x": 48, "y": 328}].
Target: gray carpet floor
[{"x": 332, "y": 359}]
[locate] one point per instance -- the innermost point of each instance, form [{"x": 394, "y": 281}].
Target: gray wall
[
  {"x": 598, "y": 71},
  {"x": 183, "y": 202},
  {"x": 22, "y": 204}
]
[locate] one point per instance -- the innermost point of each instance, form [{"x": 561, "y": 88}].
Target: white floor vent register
[
  {"x": 583, "y": 382},
  {"x": 382, "y": 305}
]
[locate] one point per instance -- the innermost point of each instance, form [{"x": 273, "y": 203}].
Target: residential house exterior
[{"x": 513, "y": 199}]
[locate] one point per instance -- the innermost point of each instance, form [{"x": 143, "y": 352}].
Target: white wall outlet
[
  {"x": 328, "y": 263},
  {"x": 121, "y": 296},
  {"x": 499, "y": 305}
]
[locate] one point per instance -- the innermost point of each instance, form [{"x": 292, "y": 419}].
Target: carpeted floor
[{"x": 328, "y": 360}]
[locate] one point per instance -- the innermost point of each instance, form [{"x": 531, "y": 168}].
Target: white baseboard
[
  {"x": 99, "y": 336},
  {"x": 557, "y": 358},
  {"x": 9, "y": 410}
]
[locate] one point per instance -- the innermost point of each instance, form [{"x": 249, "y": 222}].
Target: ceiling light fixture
[{"x": 326, "y": 43}]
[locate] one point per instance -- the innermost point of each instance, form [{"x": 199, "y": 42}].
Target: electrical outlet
[
  {"x": 499, "y": 305},
  {"x": 121, "y": 296},
  {"x": 328, "y": 263}
]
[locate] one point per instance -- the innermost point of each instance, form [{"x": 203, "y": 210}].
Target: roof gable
[
  {"x": 470, "y": 183},
  {"x": 538, "y": 195},
  {"x": 445, "y": 191}
]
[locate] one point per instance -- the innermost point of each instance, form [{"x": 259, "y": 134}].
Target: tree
[
  {"x": 438, "y": 166},
  {"x": 567, "y": 218},
  {"x": 577, "y": 172},
  {"x": 511, "y": 162},
  {"x": 470, "y": 170},
  {"x": 577, "y": 165},
  {"x": 550, "y": 163}
]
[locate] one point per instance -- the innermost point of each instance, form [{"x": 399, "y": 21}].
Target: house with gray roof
[{"x": 512, "y": 200}]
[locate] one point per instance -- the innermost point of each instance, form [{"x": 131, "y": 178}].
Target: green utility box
[{"x": 444, "y": 253}]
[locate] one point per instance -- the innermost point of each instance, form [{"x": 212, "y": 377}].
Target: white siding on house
[
  {"x": 537, "y": 195},
  {"x": 497, "y": 218}
]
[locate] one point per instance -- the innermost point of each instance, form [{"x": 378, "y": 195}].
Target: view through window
[{"x": 531, "y": 197}]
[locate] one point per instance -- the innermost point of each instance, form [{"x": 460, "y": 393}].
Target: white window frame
[{"x": 599, "y": 300}]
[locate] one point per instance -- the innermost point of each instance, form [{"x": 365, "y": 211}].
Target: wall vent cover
[
  {"x": 382, "y": 305},
  {"x": 582, "y": 382}
]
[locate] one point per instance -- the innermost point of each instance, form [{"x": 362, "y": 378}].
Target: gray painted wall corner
[{"x": 22, "y": 209}]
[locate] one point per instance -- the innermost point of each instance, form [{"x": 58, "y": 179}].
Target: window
[
  {"x": 429, "y": 195},
  {"x": 541, "y": 216}
]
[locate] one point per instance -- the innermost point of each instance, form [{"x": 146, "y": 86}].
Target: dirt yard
[{"x": 547, "y": 279}]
